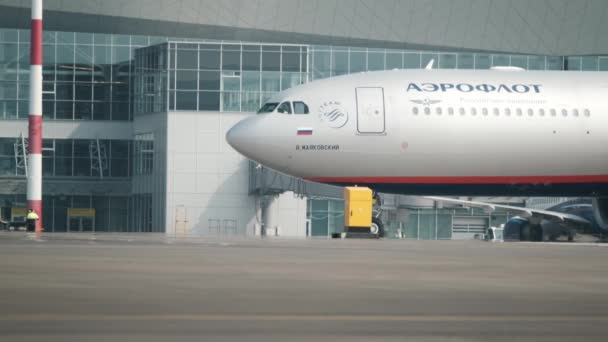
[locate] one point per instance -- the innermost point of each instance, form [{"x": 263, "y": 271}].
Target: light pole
[{"x": 34, "y": 175}]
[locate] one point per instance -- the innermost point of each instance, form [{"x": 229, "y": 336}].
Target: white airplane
[{"x": 501, "y": 132}]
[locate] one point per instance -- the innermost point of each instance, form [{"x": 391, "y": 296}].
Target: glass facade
[
  {"x": 328, "y": 61},
  {"x": 238, "y": 77},
  {"x": 91, "y": 76},
  {"x": 97, "y": 77},
  {"x": 428, "y": 224},
  {"x": 103, "y": 213},
  {"x": 151, "y": 83},
  {"x": 326, "y": 216},
  {"x": 73, "y": 158},
  {"x": 86, "y": 76},
  {"x": 227, "y": 77}
]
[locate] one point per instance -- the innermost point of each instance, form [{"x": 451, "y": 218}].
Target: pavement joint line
[{"x": 306, "y": 317}]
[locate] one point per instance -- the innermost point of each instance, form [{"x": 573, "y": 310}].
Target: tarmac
[{"x": 99, "y": 287}]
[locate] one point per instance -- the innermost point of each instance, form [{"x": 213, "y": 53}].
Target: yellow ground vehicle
[{"x": 359, "y": 216}]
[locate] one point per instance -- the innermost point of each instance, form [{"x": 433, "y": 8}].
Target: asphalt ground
[{"x": 117, "y": 287}]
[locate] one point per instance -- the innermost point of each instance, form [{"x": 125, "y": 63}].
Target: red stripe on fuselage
[
  {"x": 36, "y": 48},
  {"x": 465, "y": 179}
]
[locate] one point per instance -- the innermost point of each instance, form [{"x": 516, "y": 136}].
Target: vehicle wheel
[{"x": 377, "y": 228}]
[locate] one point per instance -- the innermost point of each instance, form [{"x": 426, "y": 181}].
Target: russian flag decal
[{"x": 304, "y": 131}]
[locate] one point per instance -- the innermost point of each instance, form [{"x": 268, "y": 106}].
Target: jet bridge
[{"x": 264, "y": 181}]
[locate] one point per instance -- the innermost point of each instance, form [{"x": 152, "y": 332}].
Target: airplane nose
[
  {"x": 253, "y": 139},
  {"x": 233, "y": 137},
  {"x": 241, "y": 138}
]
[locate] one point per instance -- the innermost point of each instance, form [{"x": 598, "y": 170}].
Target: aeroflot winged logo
[
  {"x": 426, "y": 102},
  {"x": 469, "y": 88},
  {"x": 333, "y": 114}
]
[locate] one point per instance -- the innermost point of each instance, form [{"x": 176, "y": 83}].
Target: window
[
  {"x": 427, "y": 111},
  {"x": 209, "y": 60},
  {"x": 519, "y": 112},
  {"x": 120, "y": 155},
  {"x": 438, "y": 110},
  {"x": 393, "y": 60},
  {"x": 465, "y": 61},
  {"x": 590, "y": 63},
  {"x": 284, "y": 108},
  {"x": 484, "y": 112},
  {"x": 411, "y": 60},
  {"x": 553, "y": 112},
  {"x": 207, "y": 80},
  {"x": 375, "y": 61},
  {"x": 482, "y": 61},
  {"x": 541, "y": 112},
  {"x": 185, "y": 100},
  {"x": 415, "y": 110},
  {"x": 473, "y": 111},
  {"x": 209, "y": 100},
  {"x": 536, "y": 63},
  {"x": 450, "y": 111},
  {"x": 530, "y": 112},
  {"x": 564, "y": 112},
  {"x": 508, "y": 111},
  {"x": 82, "y": 158},
  {"x": 300, "y": 108},
  {"x": 587, "y": 113},
  {"x": 231, "y": 60},
  {"x": 519, "y": 61},
  {"x": 185, "y": 80},
  {"x": 447, "y": 61},
  {"x": 251, "y": 60},
  {"x": 461, "y": 111},
  {"x": 496, "y": 112},
  {"x": 271, "y": 61},
  {"x": 268, "y": 107},
  {"x": 575, "y": 112},
  {"x": 426, "y": 58},
  {"x": 63, "y": 157},
  {"x": 186, "y": 59},
  {"x": 144, "y": 153}
]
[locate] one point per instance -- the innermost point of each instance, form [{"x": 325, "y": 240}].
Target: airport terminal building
[{"x": 138, "y": 95}]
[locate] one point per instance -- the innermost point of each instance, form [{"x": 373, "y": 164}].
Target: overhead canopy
[{"x": 552, "y": 27}]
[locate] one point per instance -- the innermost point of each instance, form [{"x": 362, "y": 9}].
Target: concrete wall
[
  {"x": 286, "y": 216},
  {"x": 207, "y": 181}
]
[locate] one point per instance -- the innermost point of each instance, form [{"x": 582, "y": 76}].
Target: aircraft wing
[{"x": 523, "y": 212}]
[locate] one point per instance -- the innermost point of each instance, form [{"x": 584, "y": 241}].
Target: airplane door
[{"x": 370, "y": 110}]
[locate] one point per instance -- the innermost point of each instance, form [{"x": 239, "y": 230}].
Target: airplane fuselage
[{"x": 438, "y": 132}]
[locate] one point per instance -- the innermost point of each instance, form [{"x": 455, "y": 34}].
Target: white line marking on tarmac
[
  {"x": 341, "y": 318},
  {"x": 571, "y": 244}
]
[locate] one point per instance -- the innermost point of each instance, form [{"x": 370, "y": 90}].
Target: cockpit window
[
  {"x": 300, "y": 108},
  {"x": 285, "y": 108},
  {"x": 268, "y": 107}
]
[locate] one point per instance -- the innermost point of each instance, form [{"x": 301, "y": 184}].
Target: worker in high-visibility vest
[{"x": 31, "y": 217}]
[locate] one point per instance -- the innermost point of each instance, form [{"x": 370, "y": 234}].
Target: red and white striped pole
[{"x": 34, "y": 161}]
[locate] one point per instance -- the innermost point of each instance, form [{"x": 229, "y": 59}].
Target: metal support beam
[
  {"x": 21, "y": 149},
  {"x": 98, "y": 157}
]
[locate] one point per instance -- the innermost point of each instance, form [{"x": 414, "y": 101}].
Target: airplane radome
[{"x": 440, "y": 132}]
